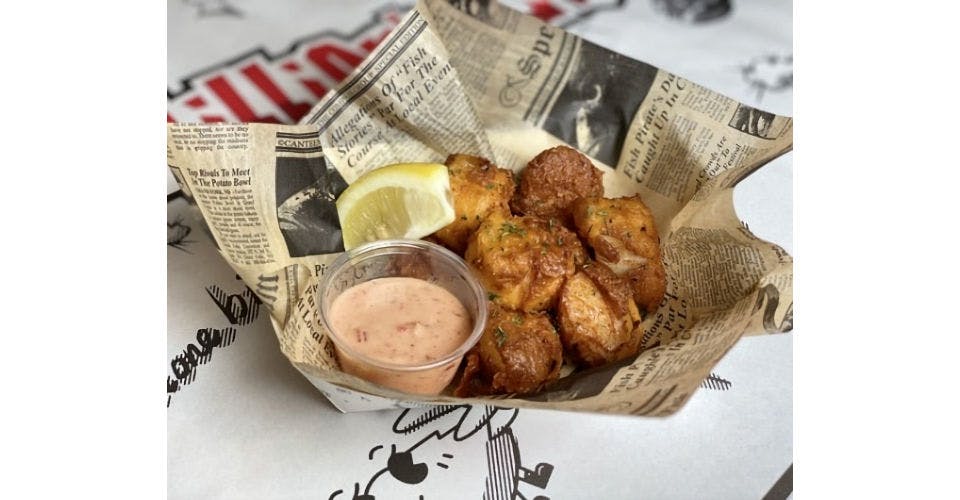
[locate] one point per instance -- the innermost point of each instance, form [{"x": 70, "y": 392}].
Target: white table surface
[{"x": 245, "y": 424}]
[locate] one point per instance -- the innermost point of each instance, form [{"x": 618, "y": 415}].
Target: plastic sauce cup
[{"x": 402, "y": 258}]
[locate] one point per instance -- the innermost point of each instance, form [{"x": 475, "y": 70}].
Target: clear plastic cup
[{"x": 403, "y": 258}]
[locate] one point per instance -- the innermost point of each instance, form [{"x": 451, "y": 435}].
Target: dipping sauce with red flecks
[{"x": 400, "y": 321}]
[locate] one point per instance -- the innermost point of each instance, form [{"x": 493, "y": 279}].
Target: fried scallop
[
  {"x": 623, "y": 236},
  {"x": 553, "y": 180},
  {"x": 523, "y": 261},
  {"x": 599, "y": 321},
  {"x": 517, "y": 354},
  {"x": 479, "y": 188}
]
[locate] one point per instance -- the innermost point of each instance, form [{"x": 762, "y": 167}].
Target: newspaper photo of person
[
  {"x": 593, "y": 112},
  {"x": 307, "y": 190},
  {"x": 753, "y": 121}
]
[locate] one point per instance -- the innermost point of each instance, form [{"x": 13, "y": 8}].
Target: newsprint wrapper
[{"x": 479, "y": 78}]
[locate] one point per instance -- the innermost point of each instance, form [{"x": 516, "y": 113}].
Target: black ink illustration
[
  {"x": 240, "y": 309},
  {"x": 769, "y": 73},
  {"x": 177, "y": 233},
  {"x": 716, "y": 383},
  {"x": 185, "y": 364},
  {"x": 753, "y": 121},
  {"x": 594, "y": 110},
  {"x": 190, "y": 91},
  {"x": 783, "y": 488},
  {"x": 590, "y": 8},
  {"x": 214, "y": 8},
  {"x": 437, "y": 424},
  {"x": 565, "y": 14},
  {"x": 556, "y": 12},
  {"x": 769, "y": 299},
  {"x": 307, "y": 189},
  {"x": 504, "y": 471},
  {"x": 693, "y": 11}
]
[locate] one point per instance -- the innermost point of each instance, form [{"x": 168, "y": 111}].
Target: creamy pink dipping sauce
[{"x": 401, "y": 321}]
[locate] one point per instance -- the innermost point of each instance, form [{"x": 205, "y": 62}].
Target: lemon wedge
[{"x": 406, "y": 200}]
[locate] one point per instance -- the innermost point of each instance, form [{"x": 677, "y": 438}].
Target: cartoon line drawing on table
[
  {"x": 214, "y": 8},
  {"x": 240, "y": 309},
  {"x": 293, "y": 79},
  {"x": 693, "y": 11},
  {"x": 768, "y": 73},
  {"x": 177, "y": 233},
  {"x": 557, "y": 13},
  {"x": 716, "y": 383},
  {"x": 458, "y": 423},
  {"x": 565, "y": 14},
  {"x": 184, "y": 365}
]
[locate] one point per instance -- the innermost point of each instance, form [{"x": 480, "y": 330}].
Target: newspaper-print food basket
[{"x": 495, "y": 83}]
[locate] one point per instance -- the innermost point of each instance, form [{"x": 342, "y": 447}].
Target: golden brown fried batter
[
  {"x": 599, "y": 321},
  {"x": 523, "y": 261},
  {"x": 479, "y": 189},
  {"x": 517, "y": 354},
  {"x": 553, "y": 180},
  {"x": 623, "y": 236}
]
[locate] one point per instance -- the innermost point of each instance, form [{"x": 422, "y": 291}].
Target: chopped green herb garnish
[
  {"x": 517, "y": 319},
  {"x": 501, "y": 336},
  {"x": 492, "y": 296},
  {"x": 602, "y": 213},
  {"x": 510, "y": 228},
  {"x": 490, "y": 185}
]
